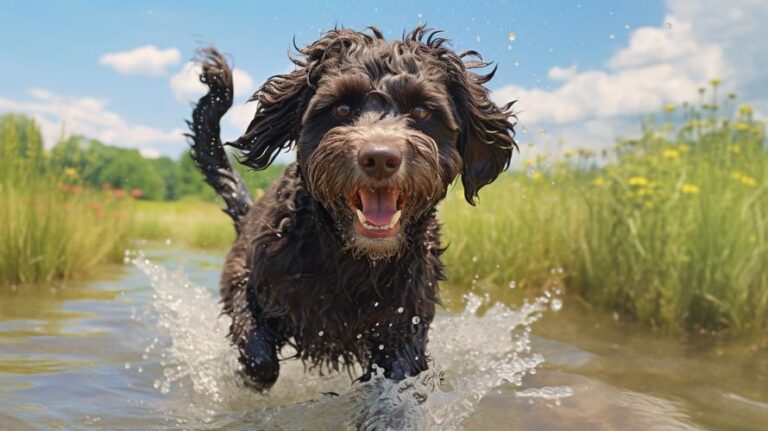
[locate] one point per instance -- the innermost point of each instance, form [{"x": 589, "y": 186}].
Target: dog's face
[{"x": 381, "y": 130}]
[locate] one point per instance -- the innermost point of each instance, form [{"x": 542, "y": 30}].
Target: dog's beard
[{"x": 375, "y": 248}]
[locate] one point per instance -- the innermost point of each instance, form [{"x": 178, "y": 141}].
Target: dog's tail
[{"x": 207, "y": 150}]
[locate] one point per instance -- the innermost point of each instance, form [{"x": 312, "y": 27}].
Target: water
[{"x": 144, "y": 347}]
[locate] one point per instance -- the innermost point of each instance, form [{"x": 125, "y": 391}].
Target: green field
[{"x": 671, "y": 231}]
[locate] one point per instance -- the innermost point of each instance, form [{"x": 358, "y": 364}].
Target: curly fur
[{"x": 298, "y": 274}]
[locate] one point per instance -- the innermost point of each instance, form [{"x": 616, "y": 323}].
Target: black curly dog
[{"x": 340, "y": 258}]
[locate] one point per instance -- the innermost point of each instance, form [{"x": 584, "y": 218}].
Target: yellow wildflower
[
  {"x": 715, "y": 82},
  {"x": 745, "y": 110},
  {"x": 733, "y": 148},
  {"x": 684, "y": 148},
  {"x": 744, "y": 179},
  {"x": 748, "y": 181},
  {"x": 670, "y": 107},
  {"x": 671, "y": 154},
  {"x": 569, "y": 153},
  {"x": 536, "y": 176},
  {"x": 742, "y": 126},
  {"x": 599, "y": 181},
  {"x": 691, "y": 189},
  {"x": 753, "y": 238},
  {"x": 638, "y": 181},
  {"x": 70, "y": 172},
  {"x": 528, "y": 163}
]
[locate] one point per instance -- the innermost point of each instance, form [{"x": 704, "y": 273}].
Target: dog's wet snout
[{"x": 379, "y": 161}]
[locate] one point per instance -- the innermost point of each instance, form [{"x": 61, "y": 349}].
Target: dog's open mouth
[{"x": 377, "y": 211}]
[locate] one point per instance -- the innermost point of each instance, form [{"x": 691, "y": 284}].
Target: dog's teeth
[
  {"x": 361, "y": 217},
  {"x": 395, "y": 218},
  {"x": 392, "y": 222}
]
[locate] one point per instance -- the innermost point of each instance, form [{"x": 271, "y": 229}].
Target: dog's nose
[{"x": 379, "y": 161}]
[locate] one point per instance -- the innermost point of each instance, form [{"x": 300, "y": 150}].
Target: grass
[
  {"x": 671, "y": 231},
  {"x": 190, "y": 221},
  {"x": 52, "y": 228}
]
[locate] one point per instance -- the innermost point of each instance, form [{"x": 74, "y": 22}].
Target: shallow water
[{"x": 144, "y": 348}]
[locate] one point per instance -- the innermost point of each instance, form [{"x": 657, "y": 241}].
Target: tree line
[{"x": 96, "y": 164}]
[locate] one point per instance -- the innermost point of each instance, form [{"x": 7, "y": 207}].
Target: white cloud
[
  {"x": 144, "y": 60},
  {"x": 88, "y": 116},
  {"x": 658, "y": 66},
  {"x": 661, "y": 64},
  {"x": 150, "y": 153},
  {"x": 737, "y": 27},
  {"x": 240, "y": 116},
  {"x": 187, "y": 87},
  {"x": 558, "y": 73}
]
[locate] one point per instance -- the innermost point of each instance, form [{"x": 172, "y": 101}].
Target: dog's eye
[
  {"x": 420, "y": 113},
  {"x": 342, "y": 110}
]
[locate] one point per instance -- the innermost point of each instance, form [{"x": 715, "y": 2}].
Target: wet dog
[{"x": 340, "y": 258}]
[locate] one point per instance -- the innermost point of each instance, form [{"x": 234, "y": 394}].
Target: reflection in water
[{"x": 132, "y": 353}]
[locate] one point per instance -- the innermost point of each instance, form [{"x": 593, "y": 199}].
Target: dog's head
[{"x": 382, "y": 128}]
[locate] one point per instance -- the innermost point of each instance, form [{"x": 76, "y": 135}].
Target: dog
[{"x": 340, "y": 257}]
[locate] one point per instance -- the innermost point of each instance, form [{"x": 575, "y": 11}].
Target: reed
[{"x": 51, "y": 227}]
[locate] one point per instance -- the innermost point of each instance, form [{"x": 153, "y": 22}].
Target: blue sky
[{"x": 574, "y": 66}]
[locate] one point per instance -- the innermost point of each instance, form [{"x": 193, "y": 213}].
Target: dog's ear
[
  {"x": 277, "y": 122},
  {"x": 283, "y": 99},
  {"x": 486, "y": 140}
]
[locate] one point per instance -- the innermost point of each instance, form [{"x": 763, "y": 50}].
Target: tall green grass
[
  {"x": 50, "y": 226},
  {"x": 669, "y": 229},
  {"x": 189, "y": 221}
]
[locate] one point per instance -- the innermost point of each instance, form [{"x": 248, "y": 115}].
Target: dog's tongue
[{"x": 379, "y": 205}]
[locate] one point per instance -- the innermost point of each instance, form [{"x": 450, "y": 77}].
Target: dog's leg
[
  {"x": 250, "y": 331},
  {"x": 401, "y": 357},
  {"x": 259, "y": 358}
]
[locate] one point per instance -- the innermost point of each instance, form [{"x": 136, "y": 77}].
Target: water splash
[{"x": 471, "y": 355}]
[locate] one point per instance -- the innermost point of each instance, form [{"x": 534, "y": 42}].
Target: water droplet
[
  {"x": 611, "y": 36},
  {"x": 512, "y": 284},
  {"x": 400, "y": 310},
  {"x": 511, "y": 36},
  {"x": 127, "y": 365},
  {"x": 375, "y": 304},
  {"x": 474, "y": 259},
  {"x": 556, "y": 305},
  {"x": 359, "y": 336},
  {"x": 321, "y": 333},
  {"x": 381, "y": 347},
  {"x": 478, "y": 38},
  {"x": 167, "y": 241},
  {"x": 415, "y": 320}
]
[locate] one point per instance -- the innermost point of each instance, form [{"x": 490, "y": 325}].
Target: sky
[{"x": 583, "y": 73}]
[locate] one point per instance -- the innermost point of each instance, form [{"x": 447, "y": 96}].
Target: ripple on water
[{"x": 470, "y": 354}]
